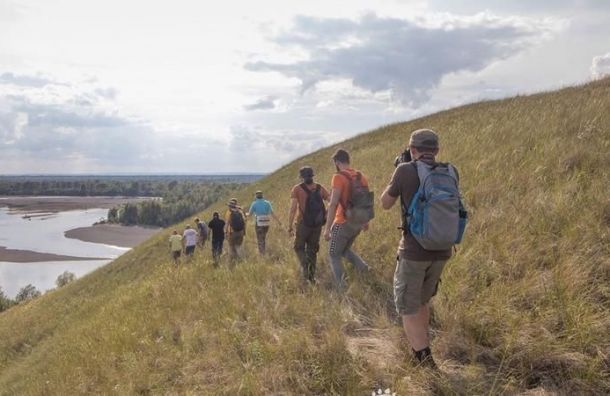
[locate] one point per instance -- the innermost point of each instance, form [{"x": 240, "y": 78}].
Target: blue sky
[{"x": 188, "y": 86}]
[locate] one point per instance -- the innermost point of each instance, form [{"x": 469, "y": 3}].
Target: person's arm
[
  {"x": 245, "y": 221},
  {"x": 293, "y": 211},
  {"x": 226, "y": 225},
  {"x": 387, "y": 200},
  {"x": 392, "y": 192},
  {"x": 276, "y": 218},
  {"x": 335, "y": 195},
  {"x": 324, "y": 193},
  {"x": 272, "y": 213}
]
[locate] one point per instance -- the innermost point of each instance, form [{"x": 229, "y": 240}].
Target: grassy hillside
[{"x": 523, "y": 307}]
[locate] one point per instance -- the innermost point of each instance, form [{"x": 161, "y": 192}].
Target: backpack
[
  {"x": 236, "y": 221},
  {"x": 203, "y": 228},
  {"x": 314, "y": 213},
  {"x": 436, "y": 216},
  {"x": 359, "y": 208}
]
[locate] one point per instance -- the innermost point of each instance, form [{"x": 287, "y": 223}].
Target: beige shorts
[{"x": 415, "y": 283}]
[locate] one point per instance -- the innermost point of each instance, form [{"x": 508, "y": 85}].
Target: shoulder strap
[
  {"x": 405, "y": 205},
  {"x": 304, "y": 187}
]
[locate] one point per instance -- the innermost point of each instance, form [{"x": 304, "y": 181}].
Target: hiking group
[{"x": 432, "y": 215}]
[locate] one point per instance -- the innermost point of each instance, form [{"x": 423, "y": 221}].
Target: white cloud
[
  {"x": 600, "y": 66},
  {"x": 103, "y": 86},
  {"x": 405, "y": 57}
]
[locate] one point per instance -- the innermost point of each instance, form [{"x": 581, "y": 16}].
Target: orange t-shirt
[
  {"x": 340, "y": 182},
  {"x": 301, "y": 196}
]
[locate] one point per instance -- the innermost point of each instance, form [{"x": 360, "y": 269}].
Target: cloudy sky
[{"x": 232, "y": 86}]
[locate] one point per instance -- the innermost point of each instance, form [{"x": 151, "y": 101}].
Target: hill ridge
[{"x": 522, "y": 307}]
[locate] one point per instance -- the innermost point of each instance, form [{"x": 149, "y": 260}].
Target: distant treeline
[
  {"x": 129, "y": 186},
  {"x": 178, "y": 201}
]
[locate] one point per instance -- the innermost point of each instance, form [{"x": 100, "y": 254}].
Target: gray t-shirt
[{"x": 404, "y": 184}]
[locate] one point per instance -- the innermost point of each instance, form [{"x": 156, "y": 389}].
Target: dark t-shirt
[
  {"x": 218, "y": 228},
  {"x": 405, "y": 183}
]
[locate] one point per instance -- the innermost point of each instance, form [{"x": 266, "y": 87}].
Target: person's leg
[
  {"x": 311, "y": 251},
  {"x": 239, "y": 242},
  {"x": 299, "y": 248},
  {"x": 338, "y": 242},
  {"x": 261, "y": 237},
  {"x": 215, "y": 251},
  {"x": 416, "y": 328},
  {"x": 414, "y": 284},
  {"x": 352, "y": 233},
  {"x": 232, "y": 246}
]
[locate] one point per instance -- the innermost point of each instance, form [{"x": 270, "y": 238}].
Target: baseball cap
[
  {"x": 424, "y": 138},
  {"x": 306, "y": 171}
]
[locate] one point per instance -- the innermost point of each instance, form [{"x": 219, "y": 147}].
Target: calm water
[{"x": 46, "y": 235}]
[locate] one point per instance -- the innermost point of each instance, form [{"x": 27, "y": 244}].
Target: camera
[{"x": 403, "y": 157}]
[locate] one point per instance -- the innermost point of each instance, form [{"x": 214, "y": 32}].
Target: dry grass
[{"x": 523, "y": 307}]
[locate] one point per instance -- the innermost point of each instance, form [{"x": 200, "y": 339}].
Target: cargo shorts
[{"x": 415, "y": 283}]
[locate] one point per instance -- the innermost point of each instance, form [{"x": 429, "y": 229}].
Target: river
[{"x": 45, "y": 234}]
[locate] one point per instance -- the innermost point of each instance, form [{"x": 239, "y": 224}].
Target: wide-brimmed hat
[{"x": 232, "y": 203}]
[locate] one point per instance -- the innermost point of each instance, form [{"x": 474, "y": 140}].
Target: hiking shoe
[{"x": 424, "y": 358}]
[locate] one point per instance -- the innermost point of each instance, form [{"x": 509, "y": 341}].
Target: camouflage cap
[{"x": 424, "y": 138}]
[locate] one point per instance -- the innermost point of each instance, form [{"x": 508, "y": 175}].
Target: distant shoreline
[
  {"x": 51, "y": 204},
  {"x": 113, "y": 234},
  {"x": 29, "y": 256}
]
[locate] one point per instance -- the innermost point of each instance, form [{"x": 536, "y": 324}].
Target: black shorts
[
  {"x": 176, "y": 254},
  {"x": 189, "y": 250}
]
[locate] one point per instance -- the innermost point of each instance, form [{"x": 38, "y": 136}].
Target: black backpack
[
  {"x": 314, "y": 213},
  {"x": 236, "y": 221}
]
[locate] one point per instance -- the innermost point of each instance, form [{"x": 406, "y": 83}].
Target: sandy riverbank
[
  {"x": 60, "y": 204},
  {"x": 28, "y": 256},
  {"x": 113, "y": 234}
]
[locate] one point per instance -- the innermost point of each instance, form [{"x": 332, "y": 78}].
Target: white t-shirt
[{"x": 190, "y": 237}]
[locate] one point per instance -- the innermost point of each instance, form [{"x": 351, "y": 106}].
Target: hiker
[
  {"x": 350, "y": 210},
  {"x": 202, "y": 229},
  {"x": 190, "y": 241},
  {"x": 175, "y": 245},
  {"x": 263, "y": 212},
  {"x": 217, "y": 225},
  {"x": 308, "y": 197},
  {"x": 424, "y": 248},
  {"x": 235, "y": 228}
]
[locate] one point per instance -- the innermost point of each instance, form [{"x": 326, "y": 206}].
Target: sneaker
[{"x": 424, "y": 358}]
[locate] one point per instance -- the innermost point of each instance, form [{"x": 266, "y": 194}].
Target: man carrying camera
[{"x": 418, "y": 269}]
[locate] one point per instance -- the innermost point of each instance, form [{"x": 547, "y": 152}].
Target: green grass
[{"x": 523, "y": 306}]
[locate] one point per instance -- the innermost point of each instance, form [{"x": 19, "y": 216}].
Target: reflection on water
[
  {"x": 13, "y": 276},
  {"x": 46, "y": 235}
]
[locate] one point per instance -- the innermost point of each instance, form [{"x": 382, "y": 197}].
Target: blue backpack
[{"x": 436, "y": 215}]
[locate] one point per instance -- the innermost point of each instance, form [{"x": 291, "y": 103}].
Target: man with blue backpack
[
  {"x": 433, "y": 221},
  {"x": 308, "y": 207}
]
